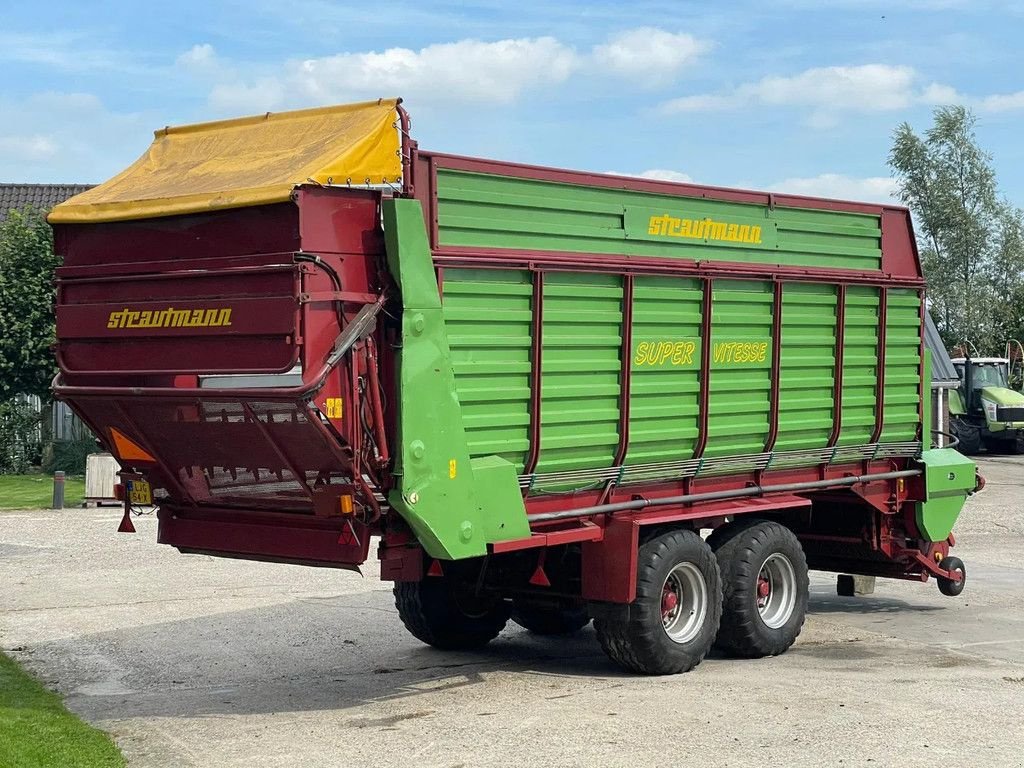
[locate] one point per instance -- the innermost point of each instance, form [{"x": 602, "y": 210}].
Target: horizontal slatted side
[
  {"x": 807, "y": 366},
  {"x": 489, "y": 211},
  {"x": 581, "y": 366},
  {"x": 860, "y": 365},
  {"x": 663, "y": 405},
  {"x": 740, "y": 387},
  {"x": 488, "y": 317},
  {"x": 902, "y": 399}
]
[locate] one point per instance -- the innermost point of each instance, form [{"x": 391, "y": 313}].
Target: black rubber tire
[
  {"x": 948, "y": 587},
  {"x": 638, "y": 641},
  {"x": 741, "y": 553},
  {"x": 433, "y": 612},
  {"x": 968, "y": 435},
  {"x": 549, "y": 619}
]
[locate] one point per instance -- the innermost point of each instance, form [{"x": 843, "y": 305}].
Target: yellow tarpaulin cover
[{"x": 248, "y": 161}]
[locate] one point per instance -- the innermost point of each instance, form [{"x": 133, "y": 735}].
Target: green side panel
[
  {"x": 902, "y": 366},
  {"x": 490, "y": 211},
  {"x": 665, "y": 369},
  {"x": 455, "y": 505},
  {"x": 956, "y": 403},
  {"x": 580, "y": 369},
  {"x": 488, "y": 316},
  {"x": 949, "y": 477},
  {"x": 741, "y": 365},
  {"x": 807, "y": 366},
  {"x": 860, "y": 365},
  {"x": 929, "y": 408}
]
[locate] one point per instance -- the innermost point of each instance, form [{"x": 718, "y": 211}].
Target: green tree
[
  {"x": 970, "y": 240},
  {"x": 27, "y": 264}
]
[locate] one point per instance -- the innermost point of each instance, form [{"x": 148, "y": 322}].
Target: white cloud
[
  {"x": 871, "y": 87},
  {"x": 68, "y": 137},
  {"x": 658, "y": 174},
  {"x": 200, "y": 58},
  {"x": 865, "y": 88},
  {"x": 34, "y": 148},
  {"x": 873, "y": 189},
  {"x": 466, "y": 70},
  {"x": 941, "y": 94},
  {"x": 1002, "y": 102},
  {"x": 649, "y": 53},
  {"x": 59, "y": 49},
  {"x": 666, "y": 175}
]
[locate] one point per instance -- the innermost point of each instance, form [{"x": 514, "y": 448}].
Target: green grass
[
  {"x": 36, "y": 491},
  {"x": 36, "y": 731}
]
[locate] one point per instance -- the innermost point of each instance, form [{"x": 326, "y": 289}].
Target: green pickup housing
[{"x": 948, "y": 478}]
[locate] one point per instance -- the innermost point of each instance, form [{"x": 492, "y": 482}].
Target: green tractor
[{"x": 985, "y": 411}]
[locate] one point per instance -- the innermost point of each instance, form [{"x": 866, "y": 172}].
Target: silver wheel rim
[
  {"x": 775, "y": 590},
  {"x": 684, "y": 603}
]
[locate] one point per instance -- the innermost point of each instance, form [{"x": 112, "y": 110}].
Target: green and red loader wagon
[{"x": 537, "y": 387}]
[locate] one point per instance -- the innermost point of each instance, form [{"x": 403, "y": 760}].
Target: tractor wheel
[
  {"x": 968, "y": 435},
  {"x": 765, "y": 589},
  {"x": 948, "y": 587},
  {"x": 447, "y": 615},
  {"x": 550, "y": 618},
  {"x": 671, "y": 625}
]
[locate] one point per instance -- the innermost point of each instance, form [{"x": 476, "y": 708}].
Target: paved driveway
[{"x": 195, "y": 661}]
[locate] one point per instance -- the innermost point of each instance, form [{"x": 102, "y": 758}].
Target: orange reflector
[
  {"x": 128, "y": 450},
  {"x": 347, "y": 508}
]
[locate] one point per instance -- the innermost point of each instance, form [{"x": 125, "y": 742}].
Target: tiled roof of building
[{"x": 42, "y": 197}]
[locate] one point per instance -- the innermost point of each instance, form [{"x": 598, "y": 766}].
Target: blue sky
[{"x": 792, "y": 95}]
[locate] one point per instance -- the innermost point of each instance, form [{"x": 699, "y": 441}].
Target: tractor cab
[{"x": 985, "y": 411}]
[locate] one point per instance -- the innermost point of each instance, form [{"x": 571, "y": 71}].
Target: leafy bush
[
  {"x": 69, "y": 455},
  {"x": 20, "y": 436}
]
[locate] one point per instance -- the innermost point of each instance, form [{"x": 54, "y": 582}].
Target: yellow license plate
[{"x": 139, "y": 492}]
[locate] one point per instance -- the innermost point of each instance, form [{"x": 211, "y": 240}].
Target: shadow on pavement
[
  {"x": 308, "y": 654},
  {"x": 825, "y": 604}
]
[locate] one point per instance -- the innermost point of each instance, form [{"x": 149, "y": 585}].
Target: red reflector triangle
[
  {"x": 539, "y": 578},
  {"x": 348, "y": 536},
  {"x": 127, "y": 449}
]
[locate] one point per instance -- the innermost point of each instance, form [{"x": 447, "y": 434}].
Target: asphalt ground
[{"x": 198, "y": 661}]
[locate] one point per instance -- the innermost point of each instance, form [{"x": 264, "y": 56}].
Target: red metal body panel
[{"x": 247, "y": 468}]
